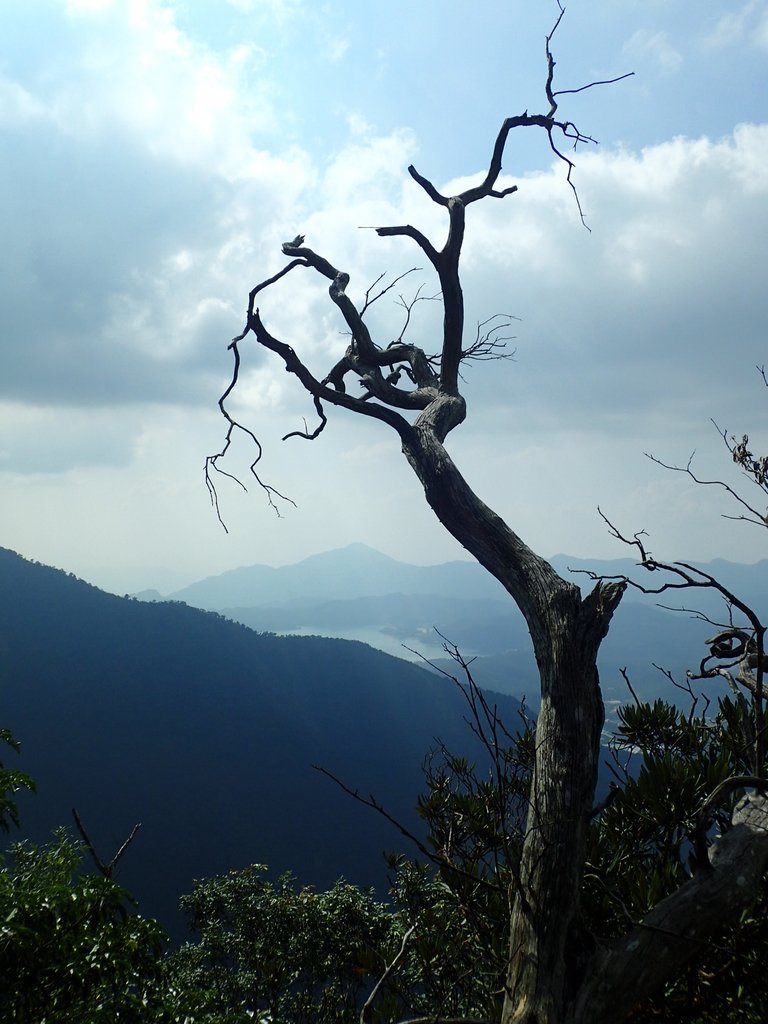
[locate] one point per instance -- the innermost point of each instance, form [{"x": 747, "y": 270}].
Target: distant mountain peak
[{"x": 353, "y": 571}]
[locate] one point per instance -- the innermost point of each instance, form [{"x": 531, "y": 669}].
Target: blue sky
[{"x": 156, "y": 154}]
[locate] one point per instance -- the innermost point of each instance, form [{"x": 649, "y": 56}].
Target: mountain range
[
  {"x": 207, "y": 732},
  {"x": 204, "y": 725},
  {"x": 412, "y": 611}
]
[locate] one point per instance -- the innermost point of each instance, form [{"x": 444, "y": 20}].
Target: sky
[{"x": 155, "y": 155}]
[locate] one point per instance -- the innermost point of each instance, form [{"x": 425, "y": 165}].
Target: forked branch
[
  {"x": 106, "y": 869},
  {"x": 745, "y": 646},
  {"x": 754, "y": 515},
  {"x": 397, "y": 376}
]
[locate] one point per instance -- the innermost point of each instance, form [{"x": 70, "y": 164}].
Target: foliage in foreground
[
  {"x": 644, "y": 847},
  {"x": 271, "y": 950},
  {"x": 71, "y": 952},
  {"x": 11, "y": 781},
  {"x": 440, "y": 947}
]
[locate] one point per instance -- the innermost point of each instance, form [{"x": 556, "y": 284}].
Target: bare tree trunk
[
  {"x": 562, "y": 795},
  {"x": 566, "y": 631},
  {"x": 635, "y": 967}
]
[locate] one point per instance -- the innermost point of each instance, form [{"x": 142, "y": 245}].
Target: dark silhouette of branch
[
  {"x": 107, "y": 870},
  {"x": 746, "y": 646},
  {"x": 759, "y": 520},
  {"x": 489, "y": 344},
  {"x": 408, "y": 231},
  {"x": 212, "y": 461},
  {"x": 367, "y": 1010},
  {"x": 625, "y": 676},
  {"x": 372, "y": 803},
  {"x": 369, "y": 301},
  {"x": 591, "y": 85},
  {"x": 414, "y": 381}
]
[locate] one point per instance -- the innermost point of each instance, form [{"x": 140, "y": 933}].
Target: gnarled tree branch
[
  {"x": 419, "y": 397},
  {"x": 672, "y": 934}
]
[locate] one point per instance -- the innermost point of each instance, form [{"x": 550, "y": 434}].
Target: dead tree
[
  {"x": 730, "y": 871},
  {"x": 418, "y": 396}
]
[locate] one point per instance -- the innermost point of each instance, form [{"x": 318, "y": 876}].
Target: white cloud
[
  {"x": 134, "y": 71},
  {"x": 337, "y": 48},
  {"x": 274, "y": 8},
  {"x": 134, "y": 199},
  {"x": 18, "y": 105},
  {"x": 654, "y": 47},
  {"x": 372, "y": 161},
  {"x": 663, "y": 298},
  {"x": 150, "y": 175},
  {"x": 748, "y": 23},
  {"x": 87, "y": 6}
]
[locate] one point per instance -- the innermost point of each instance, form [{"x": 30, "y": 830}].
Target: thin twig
[
  {"x": 106, "y": 869},
  {"x": 365, "y": 1013}
]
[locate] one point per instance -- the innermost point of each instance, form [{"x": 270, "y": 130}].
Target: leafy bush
[
  {"x": 270, "y": 950},
  {"x": 70, "y": 950}
]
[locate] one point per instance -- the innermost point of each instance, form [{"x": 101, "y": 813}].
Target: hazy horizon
[
  {"x": 117, "y": 587},
  {"x": 158, "y": 153}
]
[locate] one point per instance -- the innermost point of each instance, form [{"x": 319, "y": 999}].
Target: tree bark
[
  {"x": 635, "y": 967},
  {"x": 566, "y": 631}
]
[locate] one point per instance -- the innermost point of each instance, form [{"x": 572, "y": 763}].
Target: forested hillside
[{"x": 206, "y": 732}]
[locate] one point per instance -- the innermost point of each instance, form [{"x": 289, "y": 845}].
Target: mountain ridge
[
  {"x": 358, "y": 570},
  {"x": 206, "y": 732},
  {"x": 485, "y": 623}
]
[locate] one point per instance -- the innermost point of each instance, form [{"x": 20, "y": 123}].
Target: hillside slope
[
  {"x": 206, "y": 733},
  {"x": 359, "y": 593}
]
